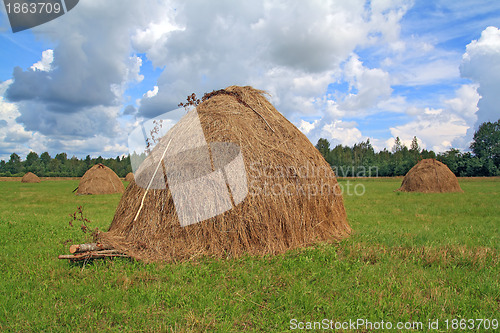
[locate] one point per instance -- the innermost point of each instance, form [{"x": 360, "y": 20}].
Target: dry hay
[
  {"x": 100, "y": 180},
  {"x": 293, "y": 196},
  {"x": 430, "y": 176},
  {"x": 129, "y": 177},
  {"x": 30, "y": 178}
]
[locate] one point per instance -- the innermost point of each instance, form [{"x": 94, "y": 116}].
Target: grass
[{"x": 411, "y": 258}]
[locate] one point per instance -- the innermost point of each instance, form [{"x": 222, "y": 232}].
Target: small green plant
[{"x": 78, "y": 217}]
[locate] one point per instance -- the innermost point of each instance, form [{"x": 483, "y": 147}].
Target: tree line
[
  {"x": 361, "y": 159},
  {"x": 60, "y": 166}
]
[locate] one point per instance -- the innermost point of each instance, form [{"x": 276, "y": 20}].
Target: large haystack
[
  {"x": 129, "y": 177},
  {"x": 100, "y": 180},
  {"x": 430, "y": 176},
  {"x": 30, "y": 177},
  {"x": 293, "y": 197}
]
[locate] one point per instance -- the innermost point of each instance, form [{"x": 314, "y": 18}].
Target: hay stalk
[{"x": 151, "y": 181}]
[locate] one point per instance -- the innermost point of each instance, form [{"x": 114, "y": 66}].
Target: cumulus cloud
[
  {"x": 87, "y": 122},
  {"x": 74, "y": 93},
  {"x": 481, "y": 64},
  {"x": 341, "y": 132},
  {"x": 151, "y": 93},
  {"x": 369, "y": 90},
  {"x": 76, "y": 133},
  {"x": 71, "y": 99},
  {"x": 443, "y": 128},
  {"x": 436, "y": 128},
  {"x": 91, "y": 64},
  {"x": 293, "y": 50},
  {"x": 13, "y": 136},
  {"x": 371, "y": 85},
  {"x": 45, "y": 64},
  {"x": 335, "y": 131}
]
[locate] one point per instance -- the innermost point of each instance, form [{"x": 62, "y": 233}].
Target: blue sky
[{"x": 347, "y": 71}]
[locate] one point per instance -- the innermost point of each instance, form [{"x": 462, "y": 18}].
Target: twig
[{"x": 151, "y": 181}]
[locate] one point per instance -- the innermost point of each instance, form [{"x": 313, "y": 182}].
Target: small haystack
[
  {"x": 290, "y": 196},
  {"x": 100, "y": 180},
  {"x": 129, "y": 177},
  {"x": 30, "y": 177},
  {"x": 430, "y": 176}
]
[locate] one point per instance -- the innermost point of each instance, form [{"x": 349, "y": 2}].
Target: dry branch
[
  {"x": 75, "y": 248},
  {"x": 92, "y": 255}
]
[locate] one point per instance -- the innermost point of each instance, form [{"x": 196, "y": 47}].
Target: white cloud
[
  {"x": 336, "y": 131},
  {"x": 436, "y": 130},
  {"x": 293, "y": 50},
  {"x": 465, "y": 103},
  {"x": 91, "y": 63},
  {"x": 119, "y": 149},
  {"x": 151, "y": 93},
  {"x": 147, "y": 39},
  {"x": 481, "y": 63},
  {"x": 13, "y": 136},
  {"x": 371, "y": 85},
  {"x": 71, "y": 99},
  {"x": 443, "y": 128},
  {"x": 45, "y": 64},
  {"x": 341, "y": 132},
  {"x": 306, "y": 127}
]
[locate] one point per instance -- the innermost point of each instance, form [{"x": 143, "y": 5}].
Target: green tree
[
  {"x": 14, "y": 164},
  {"x": 45, "y": 158},
  {"x": 323, "y": 146},
  {"x": 54, "y": 168},
  {"x": 414, "y": 145},
  {"x": 452, "y": 158},
  {"x": 398, "y": 145},
  {"x": 486, "y": 142},
  {"x": 427, "y": 154},
  {"x": 33, "y": 163},
  {"x": 414, "y": 151},
  {"x": 62, "y": 157},
  {"x": 31, "y": 158}
]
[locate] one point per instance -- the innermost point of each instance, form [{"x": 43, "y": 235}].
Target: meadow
[{"x": 411, "y": 258}]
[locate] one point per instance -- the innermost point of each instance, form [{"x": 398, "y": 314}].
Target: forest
[{"x": 360, "y": 160}]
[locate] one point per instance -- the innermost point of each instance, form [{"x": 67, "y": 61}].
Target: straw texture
[
  {"x": 100, "y": 180},
  {"x": 293, "y": 197},
  {"x": 430, "y": 176}
]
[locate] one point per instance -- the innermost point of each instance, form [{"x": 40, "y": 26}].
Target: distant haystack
[
  {"x": 430, "y": 176},
  {"x": 129, "y": 177},
  {"x": 100, "y": 180},
  {"x": 30, "y": 178}
]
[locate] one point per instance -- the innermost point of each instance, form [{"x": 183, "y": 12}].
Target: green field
[{"x": 411, "y": 258}]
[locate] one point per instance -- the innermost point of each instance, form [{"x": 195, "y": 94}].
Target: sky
[{"x": 344, "y": 70}]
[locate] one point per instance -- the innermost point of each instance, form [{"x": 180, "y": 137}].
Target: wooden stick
[
  {"x": 91, "y": 255},
  {"x": 151, "y": 181},
  {"x": 87, "y": 247}
]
